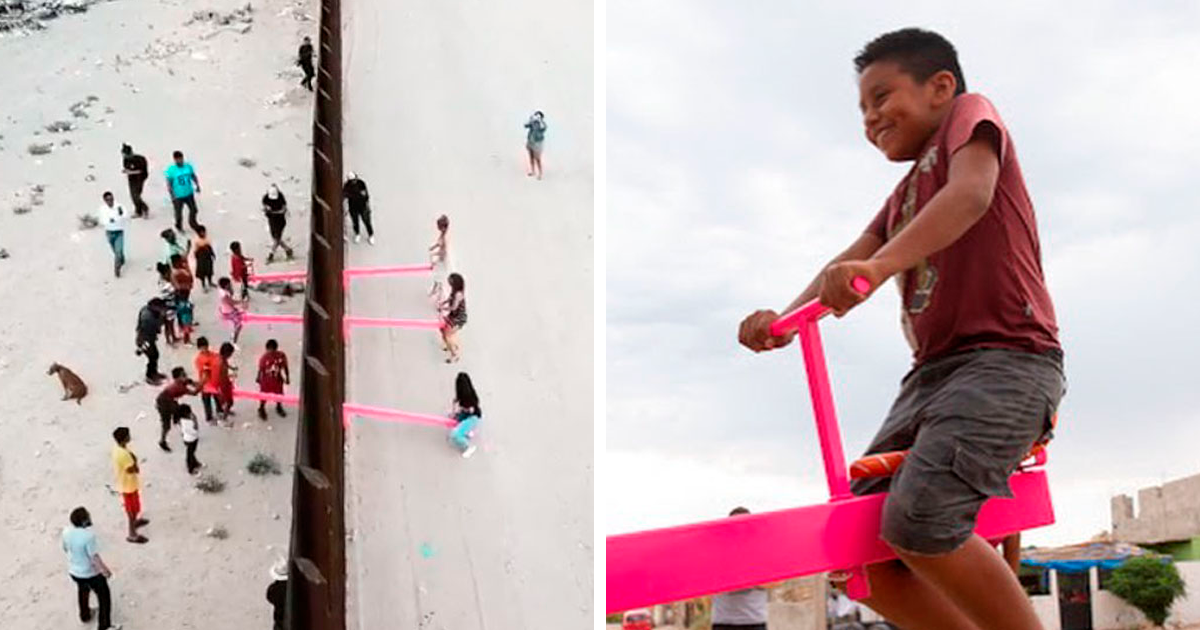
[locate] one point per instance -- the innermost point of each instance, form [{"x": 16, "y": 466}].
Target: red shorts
[{"x": 133, "y": 503}]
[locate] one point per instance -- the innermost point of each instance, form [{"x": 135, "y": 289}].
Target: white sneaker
[
  {"x": 358, "y": 238},
  {"x": 371, "y": 240},
  {"x": 470, "y": 451}
]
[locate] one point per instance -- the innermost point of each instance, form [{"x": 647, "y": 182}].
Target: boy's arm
[{"x": 971, "y": 184}]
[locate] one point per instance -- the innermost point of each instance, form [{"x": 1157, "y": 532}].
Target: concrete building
[{"x": 1167, "y": 518}]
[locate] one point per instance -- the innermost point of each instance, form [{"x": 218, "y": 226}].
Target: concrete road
[{"x": 436, "y": 95}]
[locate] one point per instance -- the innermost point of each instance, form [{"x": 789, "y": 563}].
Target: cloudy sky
[{"x": 737, "y": 165}]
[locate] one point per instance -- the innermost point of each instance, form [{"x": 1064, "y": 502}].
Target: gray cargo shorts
[{"x": 967, "y": 420}]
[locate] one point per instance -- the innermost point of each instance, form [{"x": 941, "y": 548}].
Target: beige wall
[
  {"x": 1167, "y": 512},
  {"x": 1110, "y": 612}
]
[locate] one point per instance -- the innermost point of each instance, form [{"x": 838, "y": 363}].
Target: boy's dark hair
[
  {"x": 176, "y": 259},
  {"x": 227, "y": 349},
  {"x": 126, "y": 149},
  {"x": 182, "y": 411},
  {"x": 177, "y": 154},
  {"x": 920, "y": 53},
  {"x": 443, "y": 222},
  {"x": 178, "y": 372},
  {"x": 235, "y": 247},
  {"x": 272, "y": 344},
  {"x": 167, "y": 233},
  {"x": 80, "y": 517},
  {"x": 738, "y": 510},
  {"x": 201, "y": 230},
  {"x": 121, "y": 435},
  {"x": 107, "y": 193},
  {"x": 202, "y": 342}
]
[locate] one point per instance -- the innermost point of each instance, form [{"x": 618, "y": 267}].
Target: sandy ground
[
  {"x": 159, "y": 85},
  {"x": 436, "y": 95}
]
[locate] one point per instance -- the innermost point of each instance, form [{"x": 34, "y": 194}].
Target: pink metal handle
[{"x": 812, "y": 310}]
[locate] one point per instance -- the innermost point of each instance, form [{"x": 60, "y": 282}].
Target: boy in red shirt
[
  {"x": 240, "y": 267},
  {"x": 208, "y": 369},
  {"x": 960, "y": 236},
  {"x": 168, "y": 400},
  {"x": 272, "y": 376}
]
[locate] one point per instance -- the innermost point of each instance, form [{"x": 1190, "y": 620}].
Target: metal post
[{"x": 316, "y": 598}]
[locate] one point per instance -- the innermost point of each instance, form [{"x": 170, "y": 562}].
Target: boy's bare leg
[
  {"x": 978, "y": 581},
  {"x": 1012, "y": 552},
  {"x": 910, "y": 602}
]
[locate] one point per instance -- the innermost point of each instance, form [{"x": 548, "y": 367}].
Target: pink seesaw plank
[
  {"x": 395, "y": 415},
  {"x": 353, "y": 272},
  {"x": 677, "y": 563},
  {"x": 350, "y": 322},
  {"x": 275, "y": 398}
]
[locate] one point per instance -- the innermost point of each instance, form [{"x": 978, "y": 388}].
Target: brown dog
[{"x": 73, "y": 386}]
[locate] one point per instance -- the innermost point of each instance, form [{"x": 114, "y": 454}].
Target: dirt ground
[{"x": 145, "y": 73}]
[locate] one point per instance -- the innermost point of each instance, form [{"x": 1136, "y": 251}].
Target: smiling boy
[{"x": 960, "y": 236}]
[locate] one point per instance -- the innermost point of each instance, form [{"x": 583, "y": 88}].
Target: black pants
[
  {"x": 208, "y": 400},
  {"x": 179, "y": 203},
  {"x": 364, "y": 214},
  {"x": 150, "y": 349},
  {"x": 99, "y": 584},
  {"x": 193, "y": 464},
  {"x": 309, "y": 73},
  {"x": 140, "y": 209}
]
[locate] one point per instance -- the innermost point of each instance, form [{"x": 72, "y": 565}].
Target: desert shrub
[
  {"x": 210, "y": 484},
  {"x": 263, "y": 464}
]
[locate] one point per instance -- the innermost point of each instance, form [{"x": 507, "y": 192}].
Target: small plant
[
  {"x": 218, "y": 532},
  {"x": 210, "y": 484},
  {"x": 1150, "y": 584},
  {"x": 263, "y": 464}
]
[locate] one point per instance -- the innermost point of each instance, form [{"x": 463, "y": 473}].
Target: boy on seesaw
[{"x": 960, "y": 236}]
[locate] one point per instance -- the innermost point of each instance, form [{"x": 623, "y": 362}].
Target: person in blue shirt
[
  {"x": 184, "y": 185},
  {"x": 87, "y": 569}
]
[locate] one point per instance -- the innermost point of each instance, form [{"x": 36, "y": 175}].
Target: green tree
[{"x": 1148, "y": 583}]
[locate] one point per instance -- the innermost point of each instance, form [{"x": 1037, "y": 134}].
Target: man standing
[
  {"x": 128, "y": 483},
  {"x": 180, "y": 180},
  {"x": 305, "y": 61},
  {"x": 357, "y": 198},
  {"x": 150, "y": 322},
  {"x": 87, "y": 569},
  {"x": 115, "y": 219},
  {"x": 277, "y": 592},
  {"x": 745, "y": 609},
  {"x": 136, "y": 170}
]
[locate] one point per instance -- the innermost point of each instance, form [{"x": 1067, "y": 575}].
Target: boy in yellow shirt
[{"x": 128, "y": 483}]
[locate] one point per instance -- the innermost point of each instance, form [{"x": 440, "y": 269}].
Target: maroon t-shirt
[{"x": 986, "y": 290}]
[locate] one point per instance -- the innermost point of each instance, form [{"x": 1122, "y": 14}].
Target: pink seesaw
[
  {"x": 731, "y": 553},
  {"x": 349, "y": 321},
  {"x": 352, "y": 272},
  {"x": 353, "y": 409}
]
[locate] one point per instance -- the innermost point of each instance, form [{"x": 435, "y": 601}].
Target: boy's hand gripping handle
[{"x": 812, "y": 310}]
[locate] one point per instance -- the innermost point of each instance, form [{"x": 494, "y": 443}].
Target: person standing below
[
  {"x": 226, "y": 374},
  {"x": 190, "y": 429},
  {"x": 273, "y": 374},
  {"x": 439, "y": 257},
  {"x": 167, "y": 402},
  {"x": 208, "y": 367},
  {"x": 115, "y": 220},
  {"x": 277, "y": 592},
  {"x": 305, "y": 61},
  {"x": 240, "y": 268},
  {"x": 533, "y": 142},
  {"x": 137, "y": 171},
  {"x": 205, "y": 256},
  {"x": 454, "y": 316},
  {"x": 358, "y": 201},
  {"x": 744, "y": 609},
  {"x": 150, "y": 322},
  {"x": 275, "y": 207},
  {"x": 166, "y": 293},
  {"x": 182, "y": 281},
  {"x": 129, "y": 484},
  {"x": 229, "y": 309},
  {"x": 87, "y": 569},
  {"x": 184, "y": 186}
]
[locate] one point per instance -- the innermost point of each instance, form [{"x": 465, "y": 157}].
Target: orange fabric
[{"x": 212, "y": 362}]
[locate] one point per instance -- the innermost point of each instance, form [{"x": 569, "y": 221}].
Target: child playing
[
  {"x": 453, "y": 313},
  {"x": 190, "y": 429},
  {"x": 204, "y": 258},
  {"x": 439, "y": 257},
  {"x": 208, "y": 370},
  {"x": 226, "y": 374},
  {"x": 181, "y": 279},
  {"x": 959, "y": 233},
  {"x": 171, "y": 246},
  {"x": 272, "y": 376},
  {"x": 229, "y": 309},
  {"x": 466, "y": 413},
  {"x": 240, "y": 268},
  {"x": 166, "y": 292}
]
